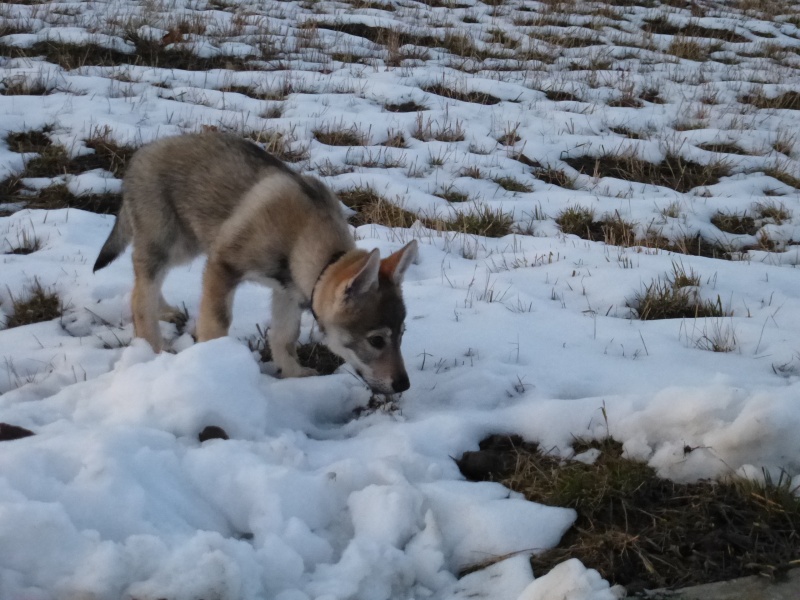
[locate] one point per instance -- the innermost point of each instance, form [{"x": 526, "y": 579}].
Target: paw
[
  {"x": 296, "y": 370},
  {"x": 172, "y": 314}
]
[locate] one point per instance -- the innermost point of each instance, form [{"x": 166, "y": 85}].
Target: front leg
[
  {"x": 284, "y": 332},
  {"x": 219, "y": 283}
]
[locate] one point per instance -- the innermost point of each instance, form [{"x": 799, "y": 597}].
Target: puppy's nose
[{"x": 401, "y": 383}]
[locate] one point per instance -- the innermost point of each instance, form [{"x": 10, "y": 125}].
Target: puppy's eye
[{"x": 377, "y": 341}]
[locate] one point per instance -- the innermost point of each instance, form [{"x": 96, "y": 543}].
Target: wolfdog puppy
[{"x": 258, "y": 220}]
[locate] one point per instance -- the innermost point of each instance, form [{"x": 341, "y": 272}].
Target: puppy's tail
[{"x": 117, "y": 241}]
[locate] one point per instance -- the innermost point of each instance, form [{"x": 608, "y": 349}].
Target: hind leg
[{"x": 149, "y": 273}]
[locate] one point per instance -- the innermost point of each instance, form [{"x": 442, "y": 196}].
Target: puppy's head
[{"x": 359, "y": 305}]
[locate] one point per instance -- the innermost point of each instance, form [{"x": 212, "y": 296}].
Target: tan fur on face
[
  {"x": 330, "y": 290},
  {"x": 354, "y": 313}
]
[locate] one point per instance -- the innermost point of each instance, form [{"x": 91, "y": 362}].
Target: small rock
[
  {"x": 485, "y": 465},
  {"x": 13, "y": 432},
  {"x": 212, "y": 432}
]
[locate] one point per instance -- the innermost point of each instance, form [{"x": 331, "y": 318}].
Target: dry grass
[
  {"x": 483, "y": 221},
  {"x": 784, "y": 143},
  {"x": 58, "y": 196},
  {"x": 440, "y": 89},
  {"x": 786, "y": 101},
  {"x": 716, "y": 335},
  {"x": 512, "y": 184},
  {"x": 772, "y": 212},
  {"x": 509, "y": 137},
  {"x": 338, "y": 135},
  {"x": 641, "y": 531},
  {"x": 404, "y": 107},
  {"x": 662, "y": 25},
  {"x": 555, "y": 177},
  {"x": 578, "y": 220},
  {"x": 371, "y": 207},
  {"x": 614, "y": 230},
  {"x": 561, "y": 96},
  {"x": 784, "y": 176},
  {"x": 628, "y": 133},
  {"x": 376, "y": 159},
  {"x": 28, "y": 141},
  {"x": 395, "y": 139},
  {"x": 500, "y": 36},
  {"x": 675, "y": 297},
  {"x": 148, "y": 53},
  {"x": 452, "y": 194},
  {"x": 444, "y": 130},
  {"x": 472, "y": 171},
  {"x": 651, "y": 95},
  {"x": 611, "y": 229},
  {"x": 25, "y": 85},
  {"x": 723, "y": 148},
  {"x": 113, "y": 156},
  {"x": 54, "y": 160},
  {"x": 24, "y": 244},
  {"x": 674, "y": 171},
  {"x": 689, "y": 49},
  {"x": 697, "y": 245},
  {"x": 36, "y": 305},
  {"x": 617, "y": 231},
  {"x": 559, "y": 37},
  {"x": 734, "y": 222}
]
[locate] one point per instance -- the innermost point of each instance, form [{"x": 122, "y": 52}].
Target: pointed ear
[
  {"x": 394, "y": 266},
  {"x": 366, "y": 278}
]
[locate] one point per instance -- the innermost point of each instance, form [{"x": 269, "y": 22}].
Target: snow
[
  {"x": 570, "y": 581},
  {"x": 531, "y": 334}
]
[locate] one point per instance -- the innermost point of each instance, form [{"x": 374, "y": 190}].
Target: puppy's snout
[{"x": 401, "y": 383}]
